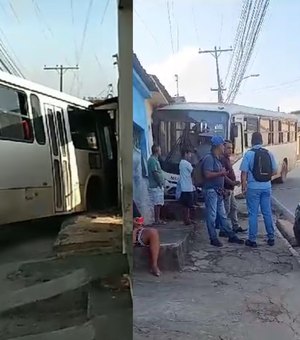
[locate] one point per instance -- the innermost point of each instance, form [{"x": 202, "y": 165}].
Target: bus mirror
[{"x": 234, "y": 131}]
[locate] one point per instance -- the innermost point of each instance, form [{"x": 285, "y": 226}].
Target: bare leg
[
  {"x": 156, "y": 213},
  {"x": 186, "y": 216},
  {"x": 151, "y": 237}
]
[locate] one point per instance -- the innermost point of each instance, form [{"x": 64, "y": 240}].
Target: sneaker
[
  {"x": 222, "y": 234},
  {"x": 251, "y": 244},
  {"x": 239, "y": 230},
  {"x": 235, "y": 240},
  {"x": 271, "y": 242},
  {"x": 216, "y": 243}
]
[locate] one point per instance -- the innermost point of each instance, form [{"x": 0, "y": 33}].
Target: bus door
[{"x": 60, "y": 158}]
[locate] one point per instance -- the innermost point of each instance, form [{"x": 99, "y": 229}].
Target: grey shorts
[{"x": 157, "y": 196}]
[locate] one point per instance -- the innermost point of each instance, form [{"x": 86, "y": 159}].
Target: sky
[
  {"x": 207, "y": 23},
  {"x": 51, "y": 32}
]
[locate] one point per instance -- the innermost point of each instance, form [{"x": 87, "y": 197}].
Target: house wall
[
  {"x": 141, "y": 148},
  {"x": 149, "y": 110}
]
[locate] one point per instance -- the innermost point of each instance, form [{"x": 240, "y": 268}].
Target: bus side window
[
  {"x": 264, "y": 128},
  {"x": 238, "y": 139},
  {"x": 37, "y": 119},
  {"x": 275, "y": 132},
  {"x": 280, "y": 132},
  {"x": 15, "y": 123}
]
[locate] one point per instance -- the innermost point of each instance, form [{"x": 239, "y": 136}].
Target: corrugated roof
[
  {"x": 137, "y": 66},
  {"x": 162, "y": 89},
  {"x": 151, "y": 81}
]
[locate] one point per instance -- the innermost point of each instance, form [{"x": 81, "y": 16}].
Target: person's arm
[
  {"x": 157, "y": 178},
  {"x": 244, "y": 172},
  {"x": 229, "y": 181},
  {"x": 208, "y": 169},
  {"x": 153, "y": 168}
]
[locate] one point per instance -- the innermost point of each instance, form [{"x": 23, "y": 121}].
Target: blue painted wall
[{"x": 140, "y": 94}]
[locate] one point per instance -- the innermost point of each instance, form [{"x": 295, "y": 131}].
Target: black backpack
[
  {"x": 262, "y": 167},
  {"x": 197, "y": 174}
]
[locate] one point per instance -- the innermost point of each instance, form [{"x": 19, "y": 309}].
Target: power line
[
  {"x": 41, "y": 17},
  {"x": 87, "y": 19},
  {"x": 104, "y": 12},
  {"x": 251, "y": 20},
  {"x": 14, "y": 12},
  {"x": 195, "y": 24},
  {"x": 170, "y": 26},
  {"x": 145, "y": 25}
]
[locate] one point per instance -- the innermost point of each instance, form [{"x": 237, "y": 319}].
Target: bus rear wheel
[
  {"x": 94, "y": 199},
  {"x": 284, "y": 172}
]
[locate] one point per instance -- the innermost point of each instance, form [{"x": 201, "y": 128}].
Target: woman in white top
[{"x": 186, "y": 185}]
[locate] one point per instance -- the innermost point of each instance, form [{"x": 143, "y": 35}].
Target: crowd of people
[{"x": 215, "y": 175}]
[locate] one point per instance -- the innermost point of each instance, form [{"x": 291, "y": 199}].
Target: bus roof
[
  {"x": 229, "y": 108},
  {"x": 6, "y": 78}
]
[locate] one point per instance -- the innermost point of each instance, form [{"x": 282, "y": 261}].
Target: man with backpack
[
  {"x": 213, "y": 188},
  {"x": 257, "y": 168}
]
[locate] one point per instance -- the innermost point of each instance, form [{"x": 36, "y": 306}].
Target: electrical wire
[
  {"x": 250, "y": 24},
  {"x": 170, "y": 26}
]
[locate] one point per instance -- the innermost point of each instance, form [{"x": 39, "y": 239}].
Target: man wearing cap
[{"x": 213, "y": 188}]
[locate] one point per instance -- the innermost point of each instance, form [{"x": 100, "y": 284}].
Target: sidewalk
[{"x": 232, "y": 293}]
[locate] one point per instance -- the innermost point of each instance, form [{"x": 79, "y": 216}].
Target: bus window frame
[{"x": 27, "y": 117}]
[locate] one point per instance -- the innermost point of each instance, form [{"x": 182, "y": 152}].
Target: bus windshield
[{"x": 177, "y": 129}]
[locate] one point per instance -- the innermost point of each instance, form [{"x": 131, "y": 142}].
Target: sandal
[{"x": 156, "y": 272}]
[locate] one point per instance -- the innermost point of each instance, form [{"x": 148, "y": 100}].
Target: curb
[
  {"x": 281, "y": 209},
  {"x": 286, "y": 242},
  {"x": 286, "y": 229}
]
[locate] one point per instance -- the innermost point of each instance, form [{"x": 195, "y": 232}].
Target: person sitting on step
[{"x": 146, "y": 237}]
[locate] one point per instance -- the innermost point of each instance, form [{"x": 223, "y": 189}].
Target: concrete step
[
  {"x": 175, "y": 239},
  {"x": 85, "y": 331},
  {"x": 100, "y": 234}
]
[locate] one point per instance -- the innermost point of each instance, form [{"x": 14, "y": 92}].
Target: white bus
[
  {"x": 192, "y": 125},
  {"x": 56, "y": 153}
]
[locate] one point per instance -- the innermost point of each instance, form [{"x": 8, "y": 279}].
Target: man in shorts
[
  {"x": 186, "y": 185},
  {"x": 156, "y": 183}
]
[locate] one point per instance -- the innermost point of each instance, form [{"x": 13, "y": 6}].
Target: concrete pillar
[{"x": 125, "y": 115}]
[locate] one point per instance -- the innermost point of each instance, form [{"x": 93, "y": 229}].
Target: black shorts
[{"x": 187, "y": 199}]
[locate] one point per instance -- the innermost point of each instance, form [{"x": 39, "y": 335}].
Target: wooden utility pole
[
  {"x": 216, "y": 52},
  {"x": 177, "y": 85},
  {"x": 62, "y": 69}
]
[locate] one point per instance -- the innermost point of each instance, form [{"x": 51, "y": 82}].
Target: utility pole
[
  {"x": 62, "y": 69},
  {"x": 177, "y": 85},
  {"x": 216, "y": 52}
]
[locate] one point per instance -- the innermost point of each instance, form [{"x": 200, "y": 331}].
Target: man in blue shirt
[
  {"x": 258, "y": 193},
  {"x": 213, "y": 188}
]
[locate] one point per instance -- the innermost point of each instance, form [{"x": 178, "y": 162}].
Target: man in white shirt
[{"x": 186, "y": 185}]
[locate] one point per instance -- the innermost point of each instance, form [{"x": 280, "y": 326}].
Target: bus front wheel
[
  {"x": 284, "y": 172},
  {"x": 94, "y": 199}
]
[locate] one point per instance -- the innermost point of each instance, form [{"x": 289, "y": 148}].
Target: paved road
[
  {"x": 230, "y": 293},
  {"x": 287, "y": 195}
]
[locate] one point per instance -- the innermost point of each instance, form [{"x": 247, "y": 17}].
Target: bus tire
[
  {"x": 94, "y": 199},
  {"x": 296, "y": 227},
  {"x": 284, "y": 172}
]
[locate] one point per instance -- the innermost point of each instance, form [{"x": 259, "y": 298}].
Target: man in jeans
[
  {"x": 156, "y": 183},
  {"x": 230, "y": 182},
  {"x": 213, "y": 187},
  {"x": 258, "y": 167}
]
